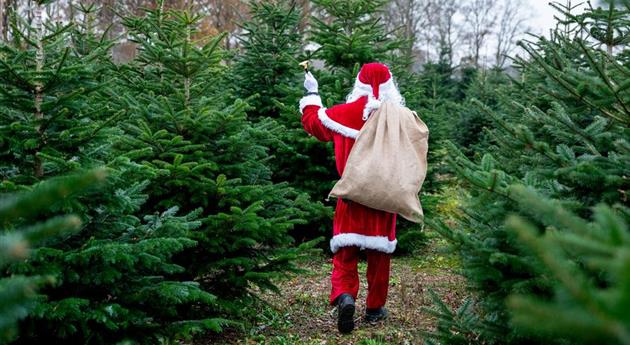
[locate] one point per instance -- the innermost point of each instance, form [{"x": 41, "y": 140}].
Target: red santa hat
[
  {"x": 377, "y": 83},
  {"x": 373, "y": 75}
]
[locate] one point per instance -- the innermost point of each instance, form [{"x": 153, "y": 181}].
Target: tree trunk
[
  {"x": 39, "y": 96},
  {"x": 187, "y": 80},
  {"x": 7, "y": 8},
  {"x": 3, "y": 20}
]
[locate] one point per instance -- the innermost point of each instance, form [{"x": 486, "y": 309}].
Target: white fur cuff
[
  {"x": 310, "y": 100},
  {"x": 380, "y": 243}
]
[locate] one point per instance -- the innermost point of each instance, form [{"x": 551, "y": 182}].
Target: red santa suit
[{"x": 355, "y": 227}]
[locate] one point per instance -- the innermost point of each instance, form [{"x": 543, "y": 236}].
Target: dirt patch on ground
[{"x": 301, "y": 315}]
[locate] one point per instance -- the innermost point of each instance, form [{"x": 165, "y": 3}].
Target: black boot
[
  {"x": 377, "y": 314},
  {"x": 345, "y": 313}
]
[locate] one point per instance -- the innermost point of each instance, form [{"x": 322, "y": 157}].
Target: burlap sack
[{"x": 388, "y": 163}]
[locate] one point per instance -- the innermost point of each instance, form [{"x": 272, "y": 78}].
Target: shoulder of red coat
[{"x": 349, "y": 114}]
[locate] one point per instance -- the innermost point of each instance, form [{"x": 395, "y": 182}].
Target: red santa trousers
[{"x": 345, "y": 277}]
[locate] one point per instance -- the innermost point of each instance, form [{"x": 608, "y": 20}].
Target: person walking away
[{"x": 355, "y": 227}]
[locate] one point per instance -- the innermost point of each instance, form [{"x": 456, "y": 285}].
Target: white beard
[{"x": 387, "y": 92}]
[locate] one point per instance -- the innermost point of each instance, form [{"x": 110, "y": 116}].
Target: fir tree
[
  {"x": 114, "y": 278},
  {"x": 564, "y": 136},
  {"x": 267, "y": 74},
  {"x": 461, "y": 326},
  {"x": 21, "y": 231},
  {"x": 436, "y": 105},
  {"x": 583, "y": 309},
  {"x": 351, "y": 33},
  {"x": 488, "y": 87},
  {"x": 207, "y": 158}
]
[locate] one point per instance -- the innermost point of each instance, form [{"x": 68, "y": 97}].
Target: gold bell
[{"x": 304, "y": 65}]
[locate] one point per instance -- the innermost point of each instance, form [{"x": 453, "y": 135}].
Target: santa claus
[{"x": 355, "y": 227}]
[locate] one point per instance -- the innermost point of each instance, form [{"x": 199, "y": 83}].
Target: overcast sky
[
  {"x": 540, "y": 20},
  {"x": 542, "y": 15}
]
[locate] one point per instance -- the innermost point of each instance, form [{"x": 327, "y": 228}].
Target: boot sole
[{"x": 345, "y": 323}]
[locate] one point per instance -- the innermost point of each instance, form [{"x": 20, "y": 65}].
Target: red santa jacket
[{"x": 353, "y": 224}]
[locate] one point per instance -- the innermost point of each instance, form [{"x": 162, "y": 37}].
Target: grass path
[{"x": 301, "y": 315}]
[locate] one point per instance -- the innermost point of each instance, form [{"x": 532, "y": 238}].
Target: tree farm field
[{"x": 166, "y": 168}]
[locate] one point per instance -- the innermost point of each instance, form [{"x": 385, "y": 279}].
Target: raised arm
[{"x": 310, "y": 107}]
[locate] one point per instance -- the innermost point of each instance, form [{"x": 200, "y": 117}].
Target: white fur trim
[
  {"x": 336, "y": 126},
  {"x": 370, "y": 106},
  {"x": 310, "y": 100},
  {"x": 380, "y": 243},
  {"x": 388, "y": 91}
]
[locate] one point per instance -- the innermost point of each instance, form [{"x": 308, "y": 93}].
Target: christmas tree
[
  {"x": 561, "y": 131},
  {"x": 21, "y": 232},
  {"x": 437, "y": 103},
  {"x": 590, "y": 299},
  {"x": 267, "y": 74},
  {"x": 351, "y": 33},
  {"x": 488, "y": 87},
  {"x": 114, "y": 280},
  {"x": 207, "y": 158}
]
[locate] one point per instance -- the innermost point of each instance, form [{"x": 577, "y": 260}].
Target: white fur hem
[
  {"x": 336, "y": 126},
  {"x": 380, "y": 243},
  {"x": 310, "y": 100}
]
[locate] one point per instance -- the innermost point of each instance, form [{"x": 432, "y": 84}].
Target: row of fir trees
[
  {"x": 148, "y": 200},
  {"x": 543, "y": 231},
  {"x": 188, "y": 220},
  {"x": 342, "y": 36}
]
